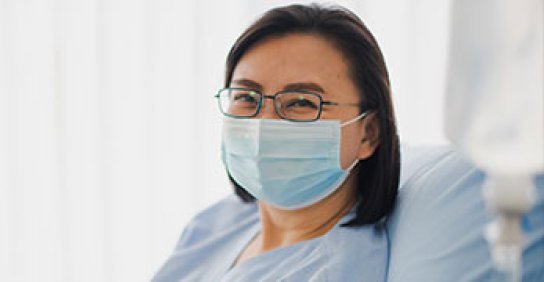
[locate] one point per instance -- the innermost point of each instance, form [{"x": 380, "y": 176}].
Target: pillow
[{"x": 436, "y": 232}]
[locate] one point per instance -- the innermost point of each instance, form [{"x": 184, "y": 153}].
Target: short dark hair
[{"x": 378, "y": 176}]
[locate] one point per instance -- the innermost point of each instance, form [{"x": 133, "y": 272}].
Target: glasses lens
[
  {"x": 239, "y": 102},
  {"x": 298, "y": 106}
]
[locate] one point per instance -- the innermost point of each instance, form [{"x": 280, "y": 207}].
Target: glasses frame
[{"x": 273, "y": 97}]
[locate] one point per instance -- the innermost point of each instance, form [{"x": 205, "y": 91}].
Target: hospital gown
[{"x": 214, "y": 239}]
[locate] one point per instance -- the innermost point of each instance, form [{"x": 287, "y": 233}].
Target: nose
[{"x": 268, "y": 111}]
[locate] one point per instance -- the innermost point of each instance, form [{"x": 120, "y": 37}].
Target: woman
[{"x": 311, "y": 148}]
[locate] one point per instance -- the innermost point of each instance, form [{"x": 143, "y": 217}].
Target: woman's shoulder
[
  {"x": 227, "y": 214},
  {"x": 205, "y": 247}
]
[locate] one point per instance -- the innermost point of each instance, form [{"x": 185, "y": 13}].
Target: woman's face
[{"x": 308, "y": 60}]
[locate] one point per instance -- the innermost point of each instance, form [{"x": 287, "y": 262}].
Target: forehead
[{"x": 294, "y": 58}]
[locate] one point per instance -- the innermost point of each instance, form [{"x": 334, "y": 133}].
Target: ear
[{"x": 371, "y": 136}]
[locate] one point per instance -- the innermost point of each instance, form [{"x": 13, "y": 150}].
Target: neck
[{"x": 287, "y": 227}]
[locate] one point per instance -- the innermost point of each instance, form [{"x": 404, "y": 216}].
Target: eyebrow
[{"x": 308, "y": 86}]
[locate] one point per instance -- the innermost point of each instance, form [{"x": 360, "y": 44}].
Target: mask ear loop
[
  {"x": 361, "y": 116},
  {"x": 355, "y": 162}
]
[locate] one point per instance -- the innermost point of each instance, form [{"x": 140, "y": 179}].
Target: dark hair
[{"x": 378, "y": 176}]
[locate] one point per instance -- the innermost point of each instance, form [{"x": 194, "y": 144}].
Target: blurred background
[{"x": 109, "y": 135}]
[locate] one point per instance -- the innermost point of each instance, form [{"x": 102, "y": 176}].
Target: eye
[
  {"x": 300, "y": 102},
  {"x": 243, "y": 96}
]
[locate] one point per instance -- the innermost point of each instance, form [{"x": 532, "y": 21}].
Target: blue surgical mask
[{"x": 288, "y": 164}]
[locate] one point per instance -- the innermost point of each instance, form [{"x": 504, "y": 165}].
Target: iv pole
[{"x": 494, "y": 110}]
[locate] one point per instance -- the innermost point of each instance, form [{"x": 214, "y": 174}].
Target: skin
[{"x": 273, "y": 65}]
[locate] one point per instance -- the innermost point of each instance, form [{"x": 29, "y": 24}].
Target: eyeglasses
[{"x": 290, "y": 105}]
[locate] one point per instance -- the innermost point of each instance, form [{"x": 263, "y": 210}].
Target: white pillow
[{"x": 436, "y": 231}]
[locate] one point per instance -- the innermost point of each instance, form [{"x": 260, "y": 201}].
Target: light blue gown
[{"x": 214, "y": 238}]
